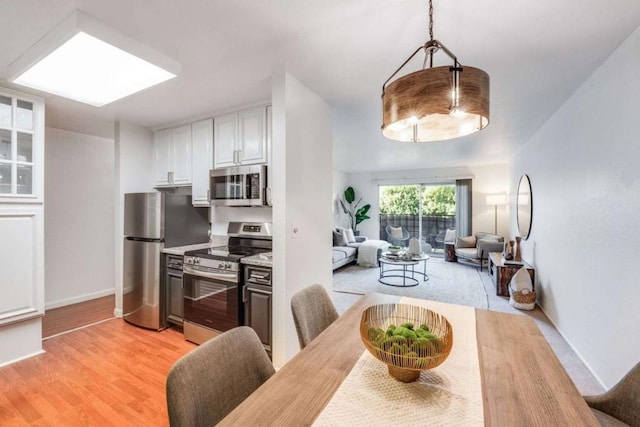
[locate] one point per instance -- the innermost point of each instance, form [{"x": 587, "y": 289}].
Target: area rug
[{"x": 448, "y": 282}]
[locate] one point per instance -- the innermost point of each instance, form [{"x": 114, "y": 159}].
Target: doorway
[{"x": 426, "y": 211}]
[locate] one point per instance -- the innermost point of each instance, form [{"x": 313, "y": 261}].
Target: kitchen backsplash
[{"x": 221, "y": 215}]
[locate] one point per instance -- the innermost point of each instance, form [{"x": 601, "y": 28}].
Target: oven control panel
[{"x": 210, "y": 264}]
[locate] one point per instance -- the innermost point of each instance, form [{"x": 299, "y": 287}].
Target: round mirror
[{"x": 525, "y": 207}]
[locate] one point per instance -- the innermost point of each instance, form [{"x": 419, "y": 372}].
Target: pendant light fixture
[{"x": 435, "y": 103}]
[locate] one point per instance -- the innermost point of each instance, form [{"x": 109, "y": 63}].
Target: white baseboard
[
  {"x": 28, "y": 356},
  {"x": 79, "y": 298},
  {"x": 573, "y": 348},
  {"x": 117, "y": 312}
]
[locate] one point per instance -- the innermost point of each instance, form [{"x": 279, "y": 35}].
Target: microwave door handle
[{"x": 246, "y": 186}]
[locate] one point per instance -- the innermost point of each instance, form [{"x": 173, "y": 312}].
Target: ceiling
[{"x": 537, "y": 53}]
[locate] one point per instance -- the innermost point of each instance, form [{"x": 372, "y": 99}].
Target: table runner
[{"x": 450, "y": 394}]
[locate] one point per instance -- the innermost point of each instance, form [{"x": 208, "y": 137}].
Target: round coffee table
[{"x": 396, "y": 266}]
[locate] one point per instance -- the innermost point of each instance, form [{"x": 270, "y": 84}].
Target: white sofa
[{"x": 343, "y": 255}]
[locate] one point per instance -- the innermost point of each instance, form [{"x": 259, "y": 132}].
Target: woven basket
[
  {"x": 403, "y": 367},
  {"x": 524, "y": 298}
]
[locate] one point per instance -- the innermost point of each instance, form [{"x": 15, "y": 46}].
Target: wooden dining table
[{"x": 522, "y": 380}]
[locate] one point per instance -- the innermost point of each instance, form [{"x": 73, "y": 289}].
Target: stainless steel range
[{"x": 213, "y": 281}]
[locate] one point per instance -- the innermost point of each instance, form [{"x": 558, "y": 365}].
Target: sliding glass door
[{"x": 426, "y": 211}]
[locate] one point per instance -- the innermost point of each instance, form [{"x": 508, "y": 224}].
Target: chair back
[
  {"x": 210, "y": 381},
  {"x": 312, "y": 311},
  {"x": 395, "y": 240},
  {"x": 622, "y": 401}
]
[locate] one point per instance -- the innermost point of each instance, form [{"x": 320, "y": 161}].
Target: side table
[
  {"x": 502, "y": 273},
  {"x": 450, "y": 252}
]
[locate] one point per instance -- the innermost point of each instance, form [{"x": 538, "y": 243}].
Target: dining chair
[
  {"x": 621, "y": 404},
  {"x": 210, "y": 381},
  {"x": 312, "y": 312}
]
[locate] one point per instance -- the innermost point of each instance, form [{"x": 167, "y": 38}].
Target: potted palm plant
[{"x": 350, "y": 207}]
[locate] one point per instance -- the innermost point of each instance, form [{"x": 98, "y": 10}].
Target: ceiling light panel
[{"x": 87, "y": 61}]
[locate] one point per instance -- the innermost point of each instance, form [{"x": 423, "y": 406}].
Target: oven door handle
[
  {"x": 227, "y": 277},
  {"x": 258, "y": 291}
]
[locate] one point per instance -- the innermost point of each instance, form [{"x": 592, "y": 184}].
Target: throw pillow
[
  {"x": 348, "y": 234},
  {"x": 466, "y": 242},
  {"x": 339, "y": 239},
  {"x": 396, "y": 232},
  {"x": 450, "y": 235}
]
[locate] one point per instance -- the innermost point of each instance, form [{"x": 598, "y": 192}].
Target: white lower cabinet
[
  {"x": 202, "y": 161},
  {"x": 21, "y": 263},
  {"x": 172, "y": 157}
]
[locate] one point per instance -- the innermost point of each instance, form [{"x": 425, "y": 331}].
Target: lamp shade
[
  {"x": 497, "y": 199},
  {"x": 417, "y": 107}
]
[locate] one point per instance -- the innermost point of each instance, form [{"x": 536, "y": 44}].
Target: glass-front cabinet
[
  {"x": 21, "y": 147},
  {"x": 21, "y": 216}
]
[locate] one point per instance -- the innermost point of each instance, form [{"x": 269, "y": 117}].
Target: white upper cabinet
[
  {"x": 21, "y": 147},
  {"x": 240, "y": 138},
  {"x": 202, "y": 161},
  {"x": 162, "y": 156},
  {"x": 182, "y": 155},
  {"x": 252, "y": 146},
  {"x": 172, "y": 157},
  {"x": 225, "y": 140}
]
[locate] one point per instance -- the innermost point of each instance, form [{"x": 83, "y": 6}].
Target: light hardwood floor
[
  {"x": 63, "y": 319},
  {"x": 108, "y": 374}
]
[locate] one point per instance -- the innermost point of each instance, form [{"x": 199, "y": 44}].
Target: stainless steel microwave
[{"x": 239, "y": 186}]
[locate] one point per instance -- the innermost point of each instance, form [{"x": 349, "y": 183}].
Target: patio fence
[{"x": 432, "y": 226}]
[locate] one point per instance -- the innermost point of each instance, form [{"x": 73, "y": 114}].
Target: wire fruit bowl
[{"x": 406, "y": 354}]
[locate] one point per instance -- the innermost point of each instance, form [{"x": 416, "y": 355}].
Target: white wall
[
  {"x": 133, "y": 173},
  {"x": 79, "y": 244},
  {"x": 302, "y": 192},
  {"x": 583, "y": 164},
  {"x": 340, "y": 184},
  {"x": 20, "y": 341},
  {"x": 487, "y": 179}
]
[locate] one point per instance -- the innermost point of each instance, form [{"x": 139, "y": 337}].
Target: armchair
[
  {"x": 397, "y": 236},
  {"x": 476, "y": 248}
]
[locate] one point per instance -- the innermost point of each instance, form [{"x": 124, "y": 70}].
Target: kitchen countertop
[
  {"x": 262, "y": 260},
  {"x": 180, "y": 250}
]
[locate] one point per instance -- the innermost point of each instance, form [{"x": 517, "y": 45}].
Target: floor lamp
[{"x": 496, "y": 200}]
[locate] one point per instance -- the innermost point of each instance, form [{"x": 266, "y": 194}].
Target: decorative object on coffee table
[
  {"x": 518, "y": 256},
  {"x": 408, "y": 339}
]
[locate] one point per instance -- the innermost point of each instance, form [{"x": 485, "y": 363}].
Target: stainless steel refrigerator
[{"x": 153, "y": 221}]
